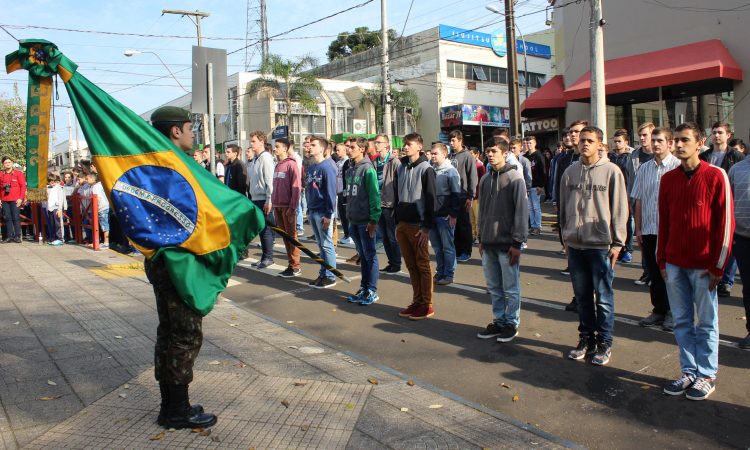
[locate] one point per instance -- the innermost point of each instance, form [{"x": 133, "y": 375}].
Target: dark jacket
[
  {"x": 415, "y": 192},
  {"x": 235, "y": 177},
  {"x": 362, "y": 194},
  {"x": 504, "y": 220},
  {"x": 731, "y": 158},
  {"x": 538, "y": 170},
  {"x": 466, "y": 165}
]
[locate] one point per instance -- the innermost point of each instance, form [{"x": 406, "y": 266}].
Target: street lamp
[
  {"x": 494, "y": 9},
  {"x": 513, "y": 105},
  {"x": 130, "y": 53}
]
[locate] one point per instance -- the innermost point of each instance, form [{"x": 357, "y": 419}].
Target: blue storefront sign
[{"x": 480, "y": 39}]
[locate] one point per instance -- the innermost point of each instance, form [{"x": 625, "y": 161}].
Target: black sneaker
[
  {"x": 392, "y": 269},
  {"x": 491, "y": 331},
  {"x": 290, "y": 273},
  {"x": 264, "y": 264},
  {"x": 585, "y": 347},
  {"x": 744, "y": 343},
  {"x": 602, "y": 355},
  {"x": 315, "y": 281},
  {"x": 507, "y": 334},
  {"x": 723, "y": 290},
  {"x": 643, "y": 280},
  {"x": 701, "y": 389},
  {"x": 679, "y": 385},
  {"x": 652, "y": 320},
  {"x": 325, "y": 283},
  {"x": 572, "y": 306},
  {"x": 385, "y": 269}
]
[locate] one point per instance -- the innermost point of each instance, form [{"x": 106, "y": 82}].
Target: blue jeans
[
  {"x": 591, "y": 273},
  {"x": 730, "y": 271},
  {"x": 324, "y": 240},
  {"x": 535, "y": 209},
  {"x": 441, "y": 238},
  {"x": 368, "y": 256},
  {"x": 504, "y": 284},
  {"x": 698, "y": 342},
  {"x": 266, "y": 234},
  {"x": 300, "y": 220},
  {"x": 387, "y": 227}
]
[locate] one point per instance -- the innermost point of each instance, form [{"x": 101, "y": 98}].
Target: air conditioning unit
[{"x": 359, "y": 126}]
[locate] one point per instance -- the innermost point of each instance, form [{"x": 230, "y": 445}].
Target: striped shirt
[
  {"x": 739, "y": 179},
  {"x": 646, "y": 189}
]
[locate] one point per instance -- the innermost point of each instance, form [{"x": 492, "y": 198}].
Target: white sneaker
[{"x": 346, "y": 241}]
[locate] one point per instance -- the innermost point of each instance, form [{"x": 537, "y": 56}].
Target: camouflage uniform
[{"x": 179, "y": 335}]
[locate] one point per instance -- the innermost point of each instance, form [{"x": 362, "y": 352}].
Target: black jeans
[
  {"x": 387, "y": 227},
  {"x": 462, "y": 237},
  {"x": 342, "y": 214},
  {"x": 657, "y": 289},
  {"x": 12, "y": 220},
  {"x": 741, "y": 251},
  {"x": 266, "y": 234}
]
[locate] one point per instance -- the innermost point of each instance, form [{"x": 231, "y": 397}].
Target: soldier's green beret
[{"x": 170, "y": 114}]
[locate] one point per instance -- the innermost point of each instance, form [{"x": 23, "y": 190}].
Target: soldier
[{"x": 179, "y": 335}]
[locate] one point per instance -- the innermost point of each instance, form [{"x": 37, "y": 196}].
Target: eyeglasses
[{"x": 381, "y": 142}]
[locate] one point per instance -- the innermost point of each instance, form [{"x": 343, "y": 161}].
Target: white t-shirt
[
  {"x": 219, "y": 169},
  {"x": 101, "y": 198}
]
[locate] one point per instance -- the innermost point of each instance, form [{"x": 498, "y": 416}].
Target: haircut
[
  {"x": 259, "y": 135},
  {"x": 515, "y": 141},
  {"x": 384, "y": 136},
  {"x": 207, "y": 147},
  {"x": 592, "y": 129},
  {"x": 7, "y": 158},
  {"x": 414, "y": 137},
  {"x": 456, "y": 134},
  {"x": 165, "y": 128},
  {"x": 359, "y": 141},
  {"x": 737, "y": 142},
  {"x": 52, "y": 177},
  {"x": 442, "y": 148},
  {"x": 724, "y": 125},
  {"x": 93, "y": 175},
  {"x": 692, "y": 126},
  {"x": 233, "y": 147},
  {"x": 500, "y": 132},
  {"x": 623, "y": 133},
  {"x": 664, "y": 131},
  {"x": 497, "y": 141},
  {"x": 648, "y": 125},
  {"x": 283, "y": 141},
  {"x": 323, "y": 142},
  {"x": 585, "y": 123},
  {"x": 530, "y": 138}
]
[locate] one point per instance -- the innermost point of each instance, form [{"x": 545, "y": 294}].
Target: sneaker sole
[
  {"x": 703, "y": 397},
  {"x": 674, "y": 393},
  {"x": 404, "y": 314},
  {"x": 286, "y": 276},
  {"x": 650, "y": 325},
  {"x": 325, "y": 287},
  {"x": 426, "y": 316},
  {"x": 487, "y": 336},
  {"x": 601, "y": 363},
  {"x": 508, "y": 339}
]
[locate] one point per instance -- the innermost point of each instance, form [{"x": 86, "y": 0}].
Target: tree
[
  {"x": 13, "y": 128},
  {"x": 347, "y": 44},
  {"x": 290, "y": 80},
  {"x": 401, "y": 100}
]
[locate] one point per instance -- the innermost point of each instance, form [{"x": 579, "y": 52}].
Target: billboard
[{"x": 465, "y": 114}]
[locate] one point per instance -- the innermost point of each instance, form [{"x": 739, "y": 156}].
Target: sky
[{"x": 141, "y": 26}]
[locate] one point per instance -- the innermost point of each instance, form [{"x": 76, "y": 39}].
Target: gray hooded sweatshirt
[{"x": 504, "y": 210}]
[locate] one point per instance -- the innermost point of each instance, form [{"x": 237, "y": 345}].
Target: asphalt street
[{"x": 619, "y": 406}]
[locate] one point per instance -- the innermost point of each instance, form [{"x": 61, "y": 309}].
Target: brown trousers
[
  {"x": 417, "y": 260},
  {"x": 286, "y": 219}
]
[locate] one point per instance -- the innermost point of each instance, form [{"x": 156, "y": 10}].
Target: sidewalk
[{"x": 77, "y": 331}]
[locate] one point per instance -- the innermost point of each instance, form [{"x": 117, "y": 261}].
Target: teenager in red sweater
[
  {"x": 695, "y": 238},
  {"x": 287, "y": 189}
]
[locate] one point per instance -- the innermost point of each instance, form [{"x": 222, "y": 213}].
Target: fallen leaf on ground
[
  {"x": 289, "y": 321},
  {"x": 241, "y": 365},
  {"x": 205, "y": 433},
  {"x": 404, "y": 409},
  {"x": 410, "y": 382},
  {"x": 334, "y": 310},
  {"x": 16, "y": 323},
  {"x": 645, "y": 387},
  {"x": 285, "y": 403},
  {"x": 215, "y": 438},
  {"x": 349, "y": 406},
  {"x": 305, "y": 427},
  {"x": 293, "y": 347},
  {"x": 506, "y": 386},
  {"x": 50, "y": 397},
  {"x": 233, "y": 317},
  {"x": 196, "y": 430},
  {"x": 515, "y": 398},
  {"x": 157, "y": 437},
  {"x": 51, "y": 350},
  {"x": 121, "y": 395},
  {"x": 118, "y": 337},
  {"x": 232, "y": 324},
  {"x": 51, "y": 383},
  {"x": 126, "y": 386},
  {"x": 403, "y": 340},
  {"x": 435, "y": 406},
  {"x": 372, "y": 380},
  {"x": 214, "y": 363},
  {"x": 172, "y": 430},
  {"x": 537, "y": 335},
  {"x": 122, "y": 420},
  {"x": 299, "y": 383}
]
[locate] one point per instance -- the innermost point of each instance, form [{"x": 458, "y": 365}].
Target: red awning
[
  {"x": 689, "y": 63},
  {"x": 549, "y": 96}
]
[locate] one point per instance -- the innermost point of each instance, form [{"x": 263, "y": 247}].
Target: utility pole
[
  {"x": 513, "y": 106},
  {"x": 263, "y": 30},
  {"x": 386, "y": 97},
  {"x": 197, "y": 22},
  {"x": 598, "y": 94}
]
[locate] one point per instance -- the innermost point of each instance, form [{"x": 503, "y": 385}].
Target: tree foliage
[
  {"x": 13, "y": 127},
  {"x": 347, "y": 44},
  {"x": 290, "y": 80},
  {"x": 405, "y": 100}
]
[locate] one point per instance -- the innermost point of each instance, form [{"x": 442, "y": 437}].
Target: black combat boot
[
  {"x": 179, "y": 412},
  {"x": 164, "y": 390}
]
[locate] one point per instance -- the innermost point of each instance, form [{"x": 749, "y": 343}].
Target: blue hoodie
[{"x": 320, "y": 187}]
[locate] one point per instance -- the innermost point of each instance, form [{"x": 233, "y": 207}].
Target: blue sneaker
[
  {"x": 370, "y": 298},
  {"x": 463, "y": 258},
  {"x": 358, "y": 297},
  {"x": 627, "y": 257}
]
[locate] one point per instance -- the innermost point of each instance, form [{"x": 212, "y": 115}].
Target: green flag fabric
[{"x": 168, "y": 205}]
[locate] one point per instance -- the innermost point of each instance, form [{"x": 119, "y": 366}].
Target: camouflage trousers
[{"x": 180, "y": 335}]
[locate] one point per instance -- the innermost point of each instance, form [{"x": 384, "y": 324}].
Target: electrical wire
[{"x": 118, "y": 33}]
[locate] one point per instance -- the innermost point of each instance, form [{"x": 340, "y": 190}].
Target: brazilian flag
[{"x": 167, "y": 204}]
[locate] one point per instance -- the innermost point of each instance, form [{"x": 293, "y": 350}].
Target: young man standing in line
[
  {"x": 320, "y": 188},
  {"x": 739, "y": 178},
  {"x": 287, "y": 189},
  {"x": 465, "y": 164},
  {"x": 593, "y": 218},
  {"x": 386, "y": 164},
  {"x": 720, "y": 154},
  {"x": 503, "y": 228},
  {"x": 447, "y": 192},
  {"x": 415, "y": 206},
  {"x": 620, "y": 155},
  {"x": 260, "y": 190},
  {"x": 343, "y": 164},
  {"x": 538, "y": 181},
  {"x": 363, "y": 209},
  {"x": 640, "y": 156},
  {"x": 235, "y": 177},
  {"x": 695, "y": 240}
]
